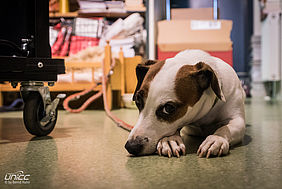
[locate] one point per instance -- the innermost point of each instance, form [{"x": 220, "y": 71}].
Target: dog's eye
[
  {"x": 168, "y": 111},
  {"x": 169, "y": 108}
]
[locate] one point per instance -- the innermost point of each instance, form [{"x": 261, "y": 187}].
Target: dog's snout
[{"x": 135, "y": 146}]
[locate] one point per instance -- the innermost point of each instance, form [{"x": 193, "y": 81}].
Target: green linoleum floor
[{"x": 87, "y": 151}]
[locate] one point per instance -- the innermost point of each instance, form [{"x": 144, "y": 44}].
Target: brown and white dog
[{"x": 193, "y": 91}]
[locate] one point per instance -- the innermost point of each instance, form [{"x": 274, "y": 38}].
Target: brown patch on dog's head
[
  {"x": 145, "y": 74},
  {"x": 192, "y": 80},
  {"x": 206, "y": 77},
  {"x": 186, "y": 86},
  {"x": 190, "y": 83}
]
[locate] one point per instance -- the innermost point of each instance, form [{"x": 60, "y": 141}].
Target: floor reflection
[
  {"x": 40, "y": 159},
  {"x": 12, "y": 130}
]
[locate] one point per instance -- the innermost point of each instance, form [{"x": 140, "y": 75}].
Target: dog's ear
[
  {"x": 206, "y": 77},
  {"x": 141, "y": 71}
]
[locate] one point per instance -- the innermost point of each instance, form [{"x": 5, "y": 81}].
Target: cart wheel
[{"x": 33, "y": 113}]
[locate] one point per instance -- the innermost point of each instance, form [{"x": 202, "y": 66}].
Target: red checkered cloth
[
  {"x": 59, "y": 42},
  {"x": 79, "y": 43}
]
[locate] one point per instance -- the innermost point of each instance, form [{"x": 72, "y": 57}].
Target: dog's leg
[
  {"x": 218, "y": 143},
  {"x": 192, "y": 130},
  {"x": 172, "y": 145}
]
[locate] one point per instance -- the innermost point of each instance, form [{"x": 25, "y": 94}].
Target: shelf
[
  {"x": 97, "y": 14},
  {"x": 64, "y": 15},
  {"x": 104, "y": 14},
  {"x": 74, "y": 86},
  {"x": 80, "y": 65}
]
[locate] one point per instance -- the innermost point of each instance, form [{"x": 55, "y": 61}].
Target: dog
[{"x": 194, "y": 93}]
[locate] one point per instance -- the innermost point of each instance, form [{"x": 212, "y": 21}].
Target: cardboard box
[
  {"x": 212, "y": 36},
  {"x": 192, "y": 14},
  {"x": 209, "y": 35}
]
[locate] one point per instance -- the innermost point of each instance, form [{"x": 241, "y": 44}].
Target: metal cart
[{"x": 25, "y": 59}]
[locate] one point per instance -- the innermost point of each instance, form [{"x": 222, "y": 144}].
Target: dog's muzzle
[{"x": 136, "y": 146}]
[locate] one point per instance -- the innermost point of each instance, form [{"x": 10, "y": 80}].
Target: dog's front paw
[
  {"x": 213, "y": 145},
  {"x": 172, "y": 145}
]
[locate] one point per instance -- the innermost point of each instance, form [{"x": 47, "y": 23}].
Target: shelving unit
[{"x": 122, "y": 80}]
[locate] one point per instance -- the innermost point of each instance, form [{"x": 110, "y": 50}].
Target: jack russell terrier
[{"x": 193, "y": 92}]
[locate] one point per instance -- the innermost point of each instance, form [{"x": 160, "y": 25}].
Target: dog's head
[{"x": 165, "y": 96}]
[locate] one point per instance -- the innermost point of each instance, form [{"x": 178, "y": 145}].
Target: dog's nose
[{"x": 135, "y": 146}]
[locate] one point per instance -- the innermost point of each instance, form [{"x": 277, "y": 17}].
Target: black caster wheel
[{"x": 33, "y": 115}]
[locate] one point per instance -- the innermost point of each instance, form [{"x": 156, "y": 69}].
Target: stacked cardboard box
[
  {"x": 134, "y": 5},
  {"x": 195, "y": 29}
]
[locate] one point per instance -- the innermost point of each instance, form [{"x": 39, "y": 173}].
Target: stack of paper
[{"x": 94, "y": 6}]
